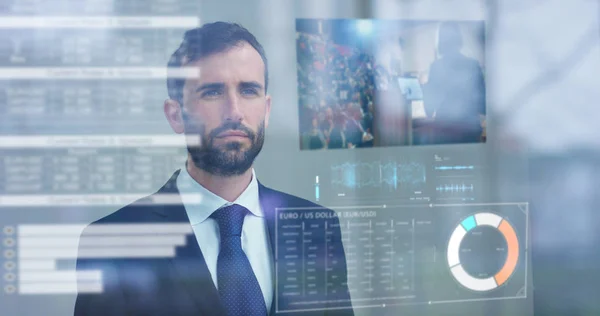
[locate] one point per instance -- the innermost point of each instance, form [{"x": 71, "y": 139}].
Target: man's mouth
[{"x": 232, "y": 134}]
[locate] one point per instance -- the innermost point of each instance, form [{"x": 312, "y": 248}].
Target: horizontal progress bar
[
  {"x": 101, "y": 241},
  {"x": 61, "y": 276},
  {"x": 60, "y": 288},
  {"x": 94, "y": 253},
  {"x": 96, "y": 73},
  {"x": 95, "y": 141},
  {"x": 99, "y": 22},
  {"x": 102, "y": 229},
  {"x": 96, "y": 199},
  {"x": 36, "y": 265}
]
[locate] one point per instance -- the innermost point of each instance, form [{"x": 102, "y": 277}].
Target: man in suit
[{"x": 227, "y": 266}]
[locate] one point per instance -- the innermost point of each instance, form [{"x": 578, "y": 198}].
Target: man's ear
[
  {"x": 268, "y": 110},
  {"x": 173, "y": 113}
]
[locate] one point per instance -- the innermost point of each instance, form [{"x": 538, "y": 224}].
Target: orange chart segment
[{"x": 513, "y": 252}]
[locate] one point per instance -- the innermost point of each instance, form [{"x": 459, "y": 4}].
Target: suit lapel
[
  {"x": 189, "y": 267},
  {"x": 270, "y": 200},
  {"x": 191, "y": 272},
  {"x": 268, "y": 203}
]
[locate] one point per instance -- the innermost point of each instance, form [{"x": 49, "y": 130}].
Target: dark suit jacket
[{"x": 182, "y": 285}]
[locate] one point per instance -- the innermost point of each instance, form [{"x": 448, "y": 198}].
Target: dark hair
[
  {"x": 449, "y": 38},
  {"x": 204, "y": 41}
]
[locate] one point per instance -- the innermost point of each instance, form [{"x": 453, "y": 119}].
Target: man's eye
[
  {"x": 249, "y": 91},
  {"x": 211, "y": 93}
]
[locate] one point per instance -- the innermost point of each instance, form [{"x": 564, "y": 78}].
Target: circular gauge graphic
[{"x": 508, "y": 245}]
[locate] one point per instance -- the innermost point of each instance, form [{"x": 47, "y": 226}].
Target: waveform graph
[
  {"x": 354, "y": 175},
  {"x": 392, "y": 176},
  {"x": 457, "y": 191},
  {"x": 454, "y": 167},
  {"x": 456, "y": 181},
  {"x": 455, "y": 188}
]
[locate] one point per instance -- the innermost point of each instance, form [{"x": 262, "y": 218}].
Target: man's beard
[{"x": 228, "y": 159}]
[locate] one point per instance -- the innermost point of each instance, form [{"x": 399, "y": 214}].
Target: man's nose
[{"x": 233, "y": 110}]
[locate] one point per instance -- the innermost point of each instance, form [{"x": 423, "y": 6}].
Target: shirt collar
[{"x": 198, "y": 212}]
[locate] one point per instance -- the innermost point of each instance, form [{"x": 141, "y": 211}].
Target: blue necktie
[{"x": 238, "y": 287}]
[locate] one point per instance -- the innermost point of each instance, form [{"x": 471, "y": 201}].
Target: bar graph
[{"x": 32, "y": 253}]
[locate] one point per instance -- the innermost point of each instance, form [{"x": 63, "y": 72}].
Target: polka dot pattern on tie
[{"x": 238, "y": 287}]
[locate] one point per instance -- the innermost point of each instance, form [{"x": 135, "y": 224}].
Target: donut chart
[{"x": 459, "y": 273}]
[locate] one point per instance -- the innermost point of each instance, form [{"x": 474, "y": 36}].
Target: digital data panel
[
  {"x": 82, "y": 134},
  {"x": 404, "y": 254},
  {"x": 438, "y": 177}
]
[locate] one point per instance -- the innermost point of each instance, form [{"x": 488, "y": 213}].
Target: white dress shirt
[{"x": 255, "y": 235}]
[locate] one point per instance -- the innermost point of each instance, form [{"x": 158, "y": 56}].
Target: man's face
[{"x": 228, "y": 108}]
